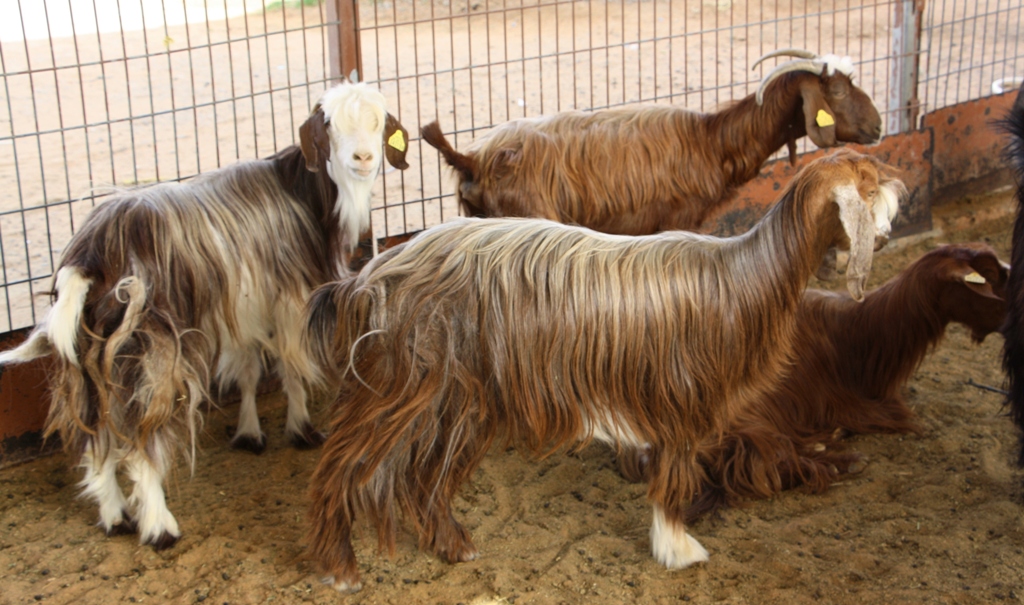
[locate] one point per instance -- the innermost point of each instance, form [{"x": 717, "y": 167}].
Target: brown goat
[
  {"x": 656, "y": 168},
  {"x": 544, "y": 335},
  {"x": 854, "y": 359},
  {"x": 168, "y": 288}
]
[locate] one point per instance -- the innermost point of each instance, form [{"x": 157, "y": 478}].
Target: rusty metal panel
[
  {"x": 24, "y": 403},
  {"x": 968, "y": 148}
]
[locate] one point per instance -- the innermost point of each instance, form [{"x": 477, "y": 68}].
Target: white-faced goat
[
  {"x": 543, "y": 335},
  {"x": 1013, "y": 330},
  {"x": 638, "y": 171},
  {"x": 168, "y": 288},
  {"x": 854, "y": 359}
]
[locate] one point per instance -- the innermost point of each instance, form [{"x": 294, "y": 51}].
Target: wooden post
[
  {"x": 344, "y": 50},
  {"x": 903, "y": 104}
]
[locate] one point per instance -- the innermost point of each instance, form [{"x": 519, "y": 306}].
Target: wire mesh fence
[{"x": 101, "y": 94}]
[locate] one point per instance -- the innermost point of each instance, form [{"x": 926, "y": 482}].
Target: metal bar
[
  {"x": 902, "y": 98},
  {"x": 344, "y": 48}
]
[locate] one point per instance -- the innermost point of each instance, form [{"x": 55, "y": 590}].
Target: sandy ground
[{"x": 934, "y": 518}]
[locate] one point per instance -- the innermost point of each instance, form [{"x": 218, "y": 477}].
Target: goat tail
[
  {"x": 410, "y": 426},
  {"x": 462, "y": 163},
  {"x": 327, "y": 339},
  {"x": 1013, "y": 329},
  {"x": 58, "y": 332}
]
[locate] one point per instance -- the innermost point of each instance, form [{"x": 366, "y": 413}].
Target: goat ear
[
  {"x": 976, "y": 283},
  {"x": 819, "y": 119},
  {"x": 314, "y": 141},
  {"x": 859, "y": 224},
  {"x": 396, "y": 142}
]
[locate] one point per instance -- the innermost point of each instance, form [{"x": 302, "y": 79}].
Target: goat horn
[
  {"x": 785, "y": 52},
  {"x": 813, "y": 66}
]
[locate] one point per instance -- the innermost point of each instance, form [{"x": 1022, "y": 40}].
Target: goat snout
[
  {"x": 867, "y": 134},
  {"x": 363, "y": 163},
  {"x": 872, "y": 132}
]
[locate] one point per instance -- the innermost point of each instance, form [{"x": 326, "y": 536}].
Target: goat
[
  {"x": 169, "y": 287},
  {"x": 854, "y": 358},
  {"x": 637, "y": 171},
  {"x": 1013, "y": 330},
  {"x": 547, "y": 334}
]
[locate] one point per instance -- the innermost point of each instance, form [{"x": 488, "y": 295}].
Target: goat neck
[
  {"x": 794, "y": 234},
  {"x": 749, "y": 134},
  {"x": 903, "y": 310},
  {"x": 320, "y": 196}
]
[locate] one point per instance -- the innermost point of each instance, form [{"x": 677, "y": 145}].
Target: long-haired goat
[
  {"x": 1013, "y": 330},
  {"x": 167, "y": 288},
  {"x": 640, "y": 171},
  {"x": 853, "y": 360},
  {"x": 545, "y": 334}
]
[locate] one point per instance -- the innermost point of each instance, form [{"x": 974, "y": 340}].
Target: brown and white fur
[
  {"x": 168, "y": 288},
  {"x": 638, "y": 171},
  {"x": 545, "y": 335},
  {"x": 854, "y": 359}
]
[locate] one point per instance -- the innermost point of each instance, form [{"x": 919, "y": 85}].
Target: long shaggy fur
[
  {"x": 1013, "y": 331},
  {"x": 853, "y": 360},
  {"x": 640, "y": 171},
  {"x": 544, "y": 335},
  {"x": 166, "y": 289}
]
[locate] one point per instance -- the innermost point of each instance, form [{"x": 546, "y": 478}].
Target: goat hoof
[
  {"x": 308, "y": 439},
  {"x": 125, "y": 527},
  {"x": 343, "y": 586},
  {"x": 857, "y": 466},
  {"x": 468, "y": 554},
  {"x": 164, "y": 541},
  {"x": 250, "y": 443},
  {"x": 460, "y": 554}
]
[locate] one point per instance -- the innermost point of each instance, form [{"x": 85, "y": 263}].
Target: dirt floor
[{"x": 932, "y": 519}]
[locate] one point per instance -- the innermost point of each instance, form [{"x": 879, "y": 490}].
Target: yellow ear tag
[
  {"x": 397, "y": 140},
  {"x": 824, "y": 119},
  {"x": 974, "y": 278}
]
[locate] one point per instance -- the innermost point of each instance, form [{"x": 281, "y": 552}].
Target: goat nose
[{"x": 363, "y": 156}]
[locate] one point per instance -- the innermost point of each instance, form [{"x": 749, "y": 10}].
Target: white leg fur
[
  {"x": 671, "y": 545},
  {"x": 243, "y": 367},
  {"x": 100, "y": 484},
  {"x": 248, "y": 416},
  {"x": 295, "y": 370},
  {"x": 156, "y": 523},
  {"x": 298, "y": 412}
]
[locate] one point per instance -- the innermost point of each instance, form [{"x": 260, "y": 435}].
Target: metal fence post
[
  {"x": 903, "y": 105},
  {"x": 345, "y": 54}
]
